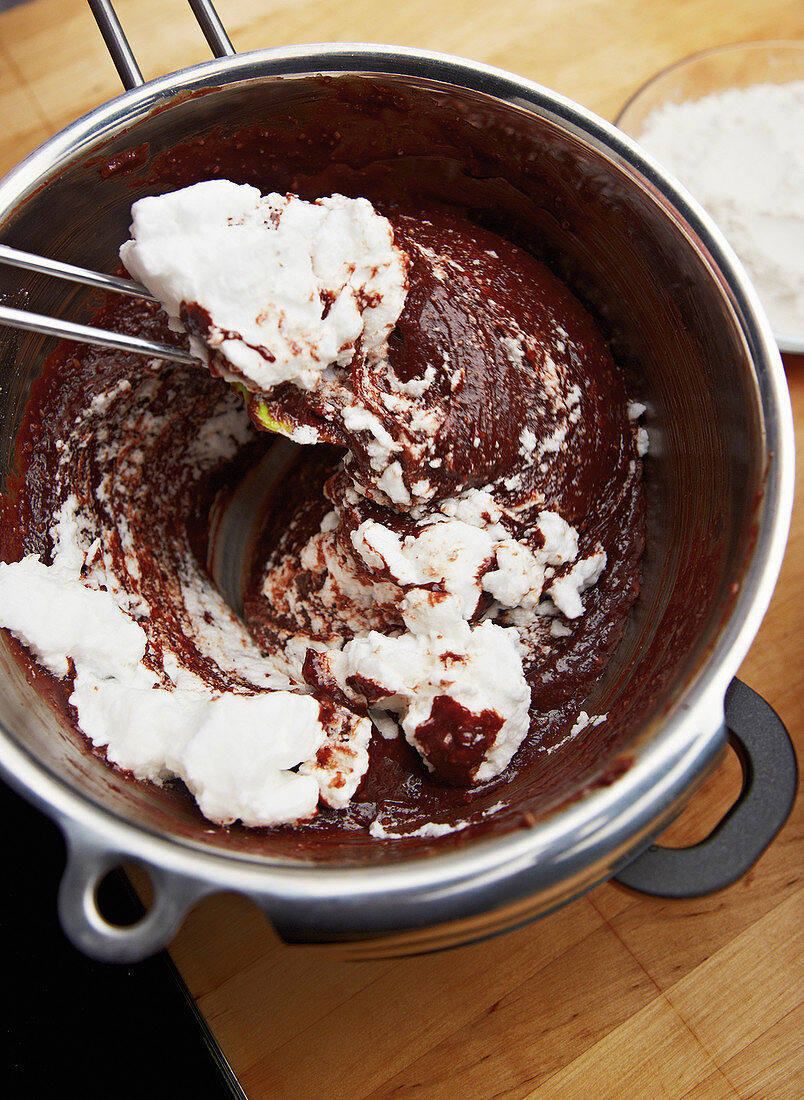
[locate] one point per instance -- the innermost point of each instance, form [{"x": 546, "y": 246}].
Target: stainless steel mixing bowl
[{"x": 686, "y": 327}]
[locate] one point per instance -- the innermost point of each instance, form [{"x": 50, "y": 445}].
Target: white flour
[{"x": 741, "y": 154}]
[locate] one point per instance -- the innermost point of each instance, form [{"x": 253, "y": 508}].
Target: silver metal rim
[{"x": 605, "y": 818}]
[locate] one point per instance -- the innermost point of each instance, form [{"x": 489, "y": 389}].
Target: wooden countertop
[{"x": 616, "y": 995}]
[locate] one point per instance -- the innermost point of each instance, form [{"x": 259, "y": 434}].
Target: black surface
[
  {"x": 770, "y": 776},
  {"x": 82, "y": 1026}
]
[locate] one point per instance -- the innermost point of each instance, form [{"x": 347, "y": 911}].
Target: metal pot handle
[
  {"x": 121, "y": 53},
  {"x": 88, "y": 862},
  {"x": 770, "y": 775}
]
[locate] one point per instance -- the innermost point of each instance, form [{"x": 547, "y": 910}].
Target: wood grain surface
[{"x": 616, "y": 995}]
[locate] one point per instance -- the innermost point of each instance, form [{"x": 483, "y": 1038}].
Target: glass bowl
[{"x": 713, "y": 71}]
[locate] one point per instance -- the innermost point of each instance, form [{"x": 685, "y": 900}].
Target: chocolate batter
[
  {"x": 130, "y": 457},
  {"x": 470, "y": 292}
]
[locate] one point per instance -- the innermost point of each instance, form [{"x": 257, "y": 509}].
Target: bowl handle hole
[
  {"x": 709, "y": 806},
  {"x": 124, "y": 895}
]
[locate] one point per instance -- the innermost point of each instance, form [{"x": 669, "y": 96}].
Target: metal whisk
[{"x": 131, "y": 76}]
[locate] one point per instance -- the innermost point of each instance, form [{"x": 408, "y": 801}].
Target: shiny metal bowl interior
[{"x": 683, "y": 324}]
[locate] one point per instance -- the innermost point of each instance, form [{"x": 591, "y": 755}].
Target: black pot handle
[{"x": 769, "y": 786}]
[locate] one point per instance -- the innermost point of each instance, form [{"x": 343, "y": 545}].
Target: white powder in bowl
[{"x": 741, "y": 154}]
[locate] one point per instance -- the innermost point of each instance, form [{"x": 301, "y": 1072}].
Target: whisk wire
[{"x": 70, "y": 330}]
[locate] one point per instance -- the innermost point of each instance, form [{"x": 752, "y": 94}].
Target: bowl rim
[
  {"x": 684, "y": 741},
  {"x": 787, "y": 342}
]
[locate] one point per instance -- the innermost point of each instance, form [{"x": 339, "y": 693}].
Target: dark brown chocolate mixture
[
  {"x": 159, "y": 502},
  {"x": 470, "y": 292}
]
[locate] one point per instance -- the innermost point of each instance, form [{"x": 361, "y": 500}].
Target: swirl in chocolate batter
[{"x": 434, "y": 586}]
